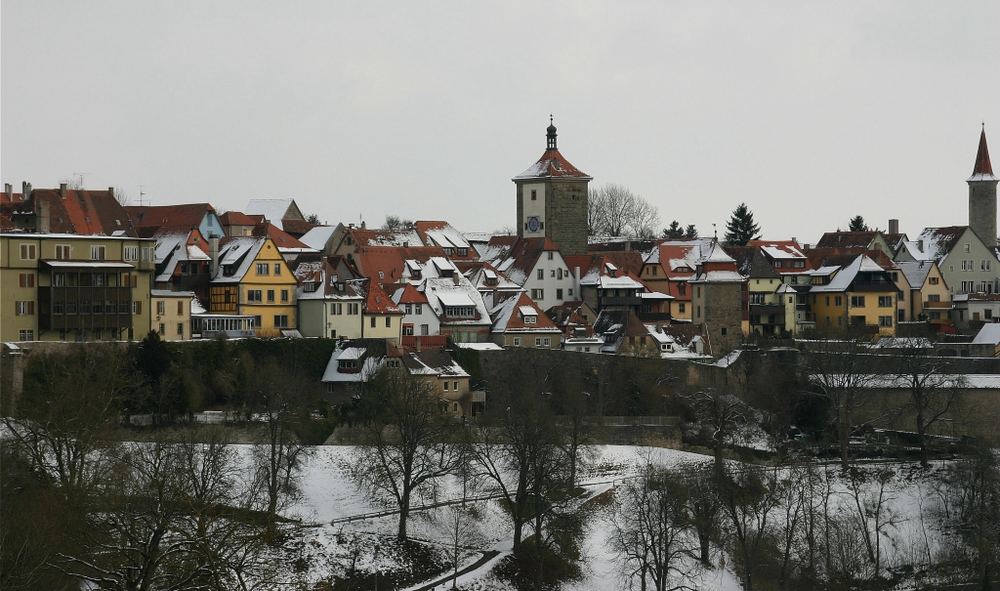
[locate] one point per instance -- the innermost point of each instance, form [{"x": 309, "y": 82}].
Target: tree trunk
[
  {"x": 922, "y": 434},
  {"x": 843, "y": 433},
  {"x": 518, "y": 528},
  {"x": 703, "y": 543},
  {"x": 404, "y": 514}
]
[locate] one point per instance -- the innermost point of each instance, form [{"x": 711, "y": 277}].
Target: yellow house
[
  {"x": 170, "y": 314},
  {"x": 930, "y": 296},
  {"x": 860, "y": 294},
  {"x": 381, "y": 318},
  {"x": 254, "y": 280},
  {"x": 72, "y": 287}
]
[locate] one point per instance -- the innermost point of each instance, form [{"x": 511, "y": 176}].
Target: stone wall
[{"x": 566, "y": 215}]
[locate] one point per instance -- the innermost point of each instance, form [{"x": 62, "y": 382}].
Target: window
[
  {"x": 146, "y": 253},
  {"x": 966, "y": 247},
  {"x": 28, "y": 252},
  {"x": 418, "y": 309},
  {"x": 722, "y": 331},
  {"x": 550, "y": 255},
  {"x": 281, "y": 321},
  {"x": 546, "y": 341},
  {"x": 534, "y": 195},
  {"x": 681, "y": 308},
  {"x": 262, "y": 268},
  {"x": 131, "y": 253},
  {"x": 26, "y": 308},
  {"x": 408, "y": 308},
  {"x": 838, "y": 301},
  {"x": 372, "y": 321},
  {"x": 161, "y": 307},
  {"x": 408, "y": 330},
  {"x": 425, "y": 330},
  {"x": 180, "y": 307},
  {"x": 253, "y": 295},
  {"x": 97, "y": 252},
  {"x": 257, "y": 321},
  {"x": 885, "y": 321},
  {"x": 933, "y": 297},
  {"x": 62, "y": 252},
  {"x": 884, "y": 301},
  {"x": 180, "y": 329},
  {"x": 284, "y": 296},
  {"x": 270, "y": 296},
  {"x": 26, "y": 280},
  {"x": 26, "y": 335},
  {"x": 446, "y": 385},
  {"x": 933, "y": 280},
  {"x": 989, "y": 313},
  {"x": 277, "y": 268},
  {"x": 757, "y": 297},
  {"x": 530, "y": 319},
  {"x": 538, "y": 294},
  {"x": 968, "y": 286},
  {"x": 681, "y": 288},
  {"x": 857, "y": 301},
  {"x": 136, "y": 307},
  {"x": 388, "y": 322},
  {"x": 517, "y": 341},
  {"x": 162, "y": 329},
  {"x": 541, "y": 273},
  {"x": 984, "y": 265},
  {"x": 538, "y": 341},
  {"x": 552, "y": 273}
]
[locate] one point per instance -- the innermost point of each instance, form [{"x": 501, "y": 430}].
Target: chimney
[
  {"x": 62, "y": 190},
  {"x": 42, "y": 214},
  {"x": 416, "y": 344},
  {"x": 112, "y": 191},
  {"x": 8, "y": 190},
  {"x": 363, "y": 225},
  {"x": 25, "y": 190},
  {"x": 893, "y": 226},
  {"x": 213, "y": 254}
]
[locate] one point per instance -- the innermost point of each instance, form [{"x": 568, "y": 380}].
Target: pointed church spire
[
  {"x": 983, "y": 166},
  {"x": 550, "y": 135}
]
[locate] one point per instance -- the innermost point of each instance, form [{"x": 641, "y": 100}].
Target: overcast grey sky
[{"x": 810, "y": 112}]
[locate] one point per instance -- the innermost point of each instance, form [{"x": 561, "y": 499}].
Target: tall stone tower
[
  {"x": 983, "y": 195},
  {"x": 552, "y": 200}
]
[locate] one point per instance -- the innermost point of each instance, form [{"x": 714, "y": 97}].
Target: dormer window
[{"x": 532, "y": 319}]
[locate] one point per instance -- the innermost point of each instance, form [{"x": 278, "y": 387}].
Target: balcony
[{"x": 84, "y": 308}]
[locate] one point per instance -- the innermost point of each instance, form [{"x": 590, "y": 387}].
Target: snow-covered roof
[
  {"x": 843, "y": 279},
  {"x": 989, "y": 334},
  {"x": 915, "y": 271},
  {"x": 479, "y": 346},
  {"x": 317, "y": 237},
  {"x": 273, "y": 210},
  {"x": 455, "y": 298},
  {"x": 239, "y": 251}
]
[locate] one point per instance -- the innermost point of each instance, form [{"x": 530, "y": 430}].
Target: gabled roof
[
  {"x": 409, "y": 294},
  {"x": 275, "y": 210},
  {"x": 236, "y": 254},
  {"x": 847, "y": 239},
  {"x": 378, "y": 302},
  {"x": 509, "y": 316},
  {"x": 236, "y": 218},
  {"x": 916, "y": 272},
  {"x": 982, "y": 170},
  {"x": 518, "y": 261},
  {"x": 390, "y": 261},
  {"x": 149, "y": 219},
  {"x": 318, "y": 237},
  {"x": 283, "y": 240},
  {"x": 939, "y": 242},
  {"x": 845, "y": 277},
  {"x": 441, "y": 233},
  {"x": 73, "y": 211},
  {"x": 433, "y": 362}
]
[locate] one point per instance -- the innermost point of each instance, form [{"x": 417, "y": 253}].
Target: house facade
[{"x": 254, "y": 280}]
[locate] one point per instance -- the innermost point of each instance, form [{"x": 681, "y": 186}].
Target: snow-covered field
[{"x": 328, "y": 494}]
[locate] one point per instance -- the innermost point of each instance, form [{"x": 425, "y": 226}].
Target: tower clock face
[{"x": 534, "y": 223}]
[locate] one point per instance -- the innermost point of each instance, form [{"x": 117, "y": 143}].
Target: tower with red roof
[
  {"x": 983, "y": 195},
  {"x": 552, "y": 200}
]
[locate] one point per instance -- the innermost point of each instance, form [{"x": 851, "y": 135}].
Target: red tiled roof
[
  {"x": 80, "y": 211},
  {"x": 378, "y": 302},
  {"x": 390, "y": 260},
  {"x": 552, "y": 164},
  {"x": 280, "y": 238},
  {"x": 236, "y": 218},
  {"x": 847, "y": 239},
  {"x": 411, "y": 295},
  {"x": 297, "y": 227},
  {"x": 983, "y": 165},
  {"x": 183, "y": 216},
  {"x": 517, "y": 322}
]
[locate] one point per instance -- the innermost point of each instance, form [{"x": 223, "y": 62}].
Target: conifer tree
[
  {"x": 858, "y": 224},
  {"x": 741, "y": 228}
]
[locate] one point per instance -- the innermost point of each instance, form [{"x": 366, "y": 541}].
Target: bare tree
[
  {"x": 70, "y": 403},
  {"x": 872, "y": 493},
  {"x": 650, "y": 530},
  {"x": 933, "y": 392},
  {"x": 395, "y": 223},
  {"x": 721, "y": 412},
  {"x": 280, "y": 399},
  {"x": 409, "y": 443},
  {"x": 750, "y": 496},
  {"x": 839, "y": 372},
  {"x": 460, "y": 522},
  {"x": 614, "y": 210},
  {"x": 971, "y": 514}
]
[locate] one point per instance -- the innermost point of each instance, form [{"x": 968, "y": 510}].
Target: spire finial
[{"x": 550, "y": 135}]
